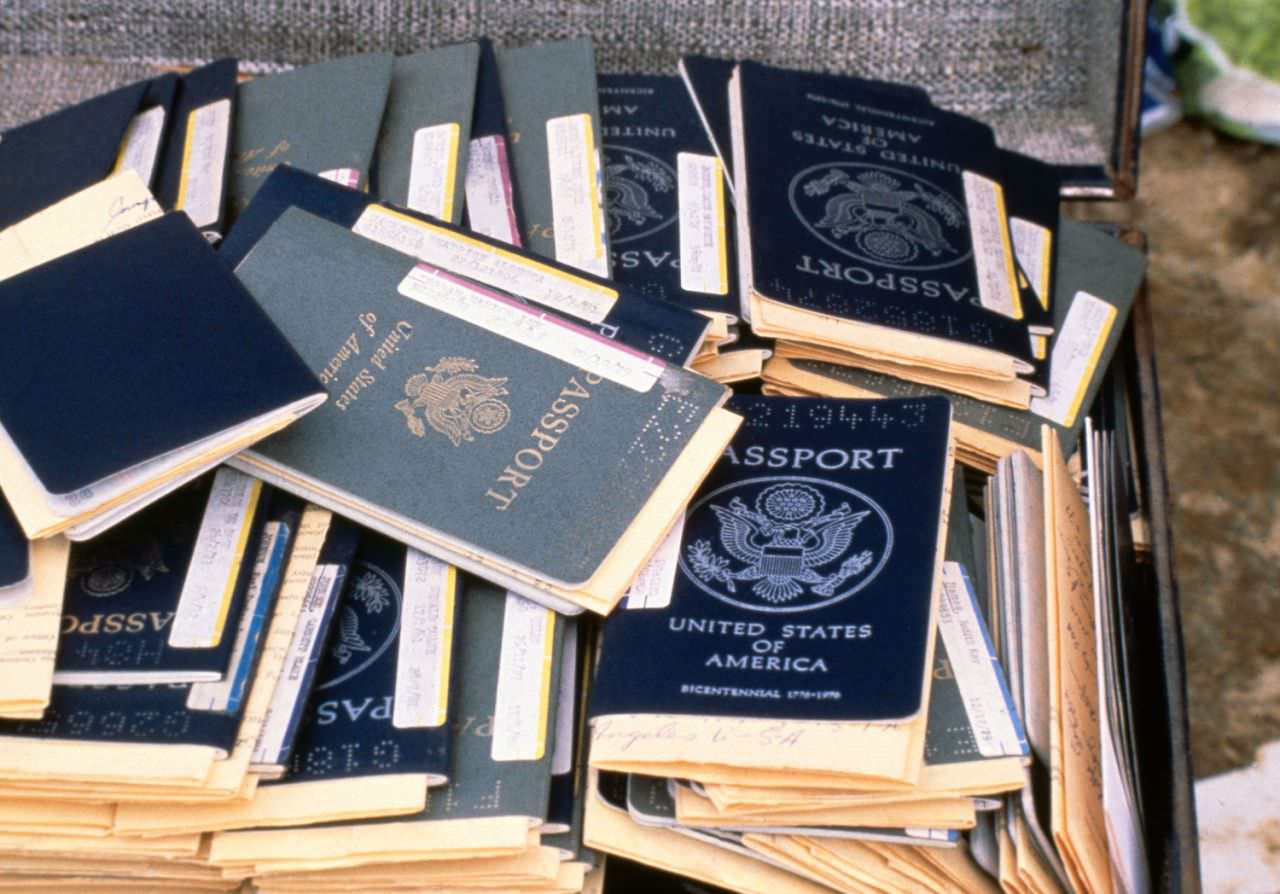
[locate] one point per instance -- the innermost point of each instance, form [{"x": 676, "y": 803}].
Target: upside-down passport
[
  {"x": 480, "y": 430},
  {"x": 805, "y": 574}
]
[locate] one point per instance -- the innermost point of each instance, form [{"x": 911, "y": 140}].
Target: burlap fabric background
[{"x": 1043, "y": 73}]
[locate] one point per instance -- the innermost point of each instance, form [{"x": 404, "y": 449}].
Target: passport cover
[
  {"x": 50, "y": 158},
  {"x": 804, "y": 586},
  {"x": 406, "y": 433},
  {"x": 655, "y": 327},
  {"x": 199, "y": 89},
  {"x": 123, "y": 590},
  {"x": 430, "y": 89},
  {"x": 539, "y": 83},
  {"x": 707, "y": 81},
  {"x": 134, "y": 346},
  {"x": 322, "y": 117},
  {"x": 862, "y": 215},
  {"x": 647, "y": 122},
  {"x": 348, "y": 729},
  {"x": 1088, "y": 260}
]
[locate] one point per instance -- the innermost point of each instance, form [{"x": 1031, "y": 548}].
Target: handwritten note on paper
[
  {"x": 1078, "y": 823},
  {"x": 29, "y": 634},
  {"x": 104, "y": 209},
  {"x": 633, "y": 741}
]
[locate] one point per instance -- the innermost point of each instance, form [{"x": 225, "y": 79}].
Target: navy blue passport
[
  {"x": 197, "y": 151},
  {"x": 349, "y": 727},
  {"x": 48, "y": 159},
  {"x": 655, "y": 327},
  {"x": 659, "y": 163},
  {"x": 860, "y": 212},
  {"x": 804, "y": 584},
  {"x": 123, "y": 591},
  {"x": 707, "y": 81},
  {"x": 136, "y": 347}
]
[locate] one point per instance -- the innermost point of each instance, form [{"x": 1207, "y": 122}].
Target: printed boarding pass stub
[
  {"x": 1074, "y": 358},
  {"x": 987, "y": 702},
  {"x": 652, "y": 587},
  {"x": 525, "y": 277},
  {"x": 527, "y": 326},
  {"x": 577, "y": 211},
  {"x": 215, "y": 561},
  {"x": 433, "y": 170},
  {"x": 491, "y": 204},
  {"x": 141, "y": 145},
  {"x": 992, "y": 253},
  {"x": 1033, "y": 247},
  {"x": 524, "y": 681},
  {"x": 704, "y": 258},
  {"x": 204, "y": 159},
  {"x": 425, "y": 642}
]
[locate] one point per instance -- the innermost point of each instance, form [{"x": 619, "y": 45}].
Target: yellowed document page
[
  {"x": 1079, "y": 828},
  {"x": 29, "y": 634},
  {"x": 104, "y": 209}
]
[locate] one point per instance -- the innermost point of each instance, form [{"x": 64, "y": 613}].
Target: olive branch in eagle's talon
[{"x": 708, "y": 566}]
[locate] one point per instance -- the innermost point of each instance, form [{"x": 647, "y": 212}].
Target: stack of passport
[{"x": 461, "y": 471}]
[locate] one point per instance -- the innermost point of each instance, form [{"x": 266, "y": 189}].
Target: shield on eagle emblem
[{"x": 785, "y": 544}]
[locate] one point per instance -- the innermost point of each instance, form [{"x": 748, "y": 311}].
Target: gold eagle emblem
[{"x": 455, "y": 400}]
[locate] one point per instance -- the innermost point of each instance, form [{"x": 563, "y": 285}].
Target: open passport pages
[{"x": 500, "y": 438}]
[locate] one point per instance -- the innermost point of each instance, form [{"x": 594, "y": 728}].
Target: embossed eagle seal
[
  {"x": 455, "y": 400},
  {"x": 891, "y": 219},
  {"x": 635, "y": 182},
  {"x": 795, "y": 554}
]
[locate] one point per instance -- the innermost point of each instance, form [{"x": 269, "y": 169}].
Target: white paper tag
[
  {"x": 483, "y": 263},
  {"x": 426, "y": 640},
  {"x": 348, "y": 177},
  {"x": 566, "y": 702},
  {"x": 652, "y": 587},
  {"x": 204, "y": 159},
  {"x": 577, "y": 210},
  {"x": 992, "y": 253},
  {"x": 433, "y": 170},
  {"x": 1032, "y": 245},
  {"x": 704, "y": 251},
  {"x": 1074, "y": 358},
  {"x": 491, "y": 204},
  {"x": 524, "y": 681},
  {"x": 986, "y": 698},
  {"x": 217, "y": 695},
  {"x": 141, "y": 145},
  {"x": 530, "y": 327},
  {"x": 321, "y": 592},
  {"x": 215, "y": 561}
]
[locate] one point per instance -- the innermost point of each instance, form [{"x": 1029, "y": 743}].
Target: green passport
[
  {"x": 476, "y": 428},
  {"x": 322, "y": 118},
  {"x": 422, "y": 149},
  {"x": 549, "y": 91},
  {"x": 510, "y": 651}
]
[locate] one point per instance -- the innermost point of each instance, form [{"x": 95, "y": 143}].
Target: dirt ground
[{"x": 1211, "y": 209}]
